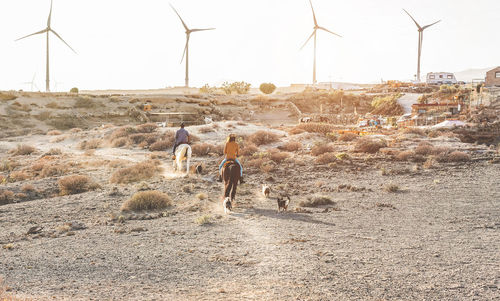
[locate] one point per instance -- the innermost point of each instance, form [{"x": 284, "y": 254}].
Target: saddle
[{"x": 228, "y": 162}]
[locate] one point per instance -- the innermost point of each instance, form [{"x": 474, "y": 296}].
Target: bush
[
  {"x": 17, "y": 176},
  {"x": 267, "y": 88},
  {"x": 54, "y": 133},
  {"x": 348, "y": 137},
  {"x": 279, "y": 157},
  {"x": 74, "y": 90},
  {"x": 322, "y": 128},
  {"x": 206, "y": 89},
  {"x": 249, "y": 150},
  {"x": 415, "y": 131},
  {"x": 322, "y": 148},
  {"x": 405, "y": 155},
  {"x": 7, "y": 96},
  {"x": 204, "y": 220},
  {"x": 326, "y": 158},
  {"x": 135, "y": 173},
  {"x": 366, "y": 145},
  {"x": 387, "y": 105},
  {"x": 49, "y": 170},
  {"x": 424, "y": 149},
  {"x": 455, "y": 156},
  {"x": 317, "y": 201},
  {"x": 391, "y": 188},
  {"x": 263, "y": 137},
  {"x": 238, "y": 87},
  {"x": 291, "y": 146},
  {"x": 147, "y": 200},
  {"x": 122, "y": 132},
  {"x": 147, "y": 127},
  {"x": 6, "y": 196},
  {"x": 23, "y": 150},
  {"x": 161, "y": 145},
  {"x": 65, "y": 122},
  {"x": 90, "y": 144},
  {"x": 84, "y": 102},
  {"x": 204, "y": 149},
  {"x": 120, "y": 142},
  {"x": 74, "y": 184}
]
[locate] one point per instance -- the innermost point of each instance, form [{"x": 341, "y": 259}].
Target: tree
[
  {"x": 267, "y": 88},
  {"x": 74, "y": 90}
]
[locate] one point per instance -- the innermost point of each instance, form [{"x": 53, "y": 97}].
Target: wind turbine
[
  {"x": 47, "y": 30},
  {"x": 186, "y": 48},
  {"x": 420, "y": 40},
  {"x": 316, "y": 27},
  {"x": 32, "y": 83}
]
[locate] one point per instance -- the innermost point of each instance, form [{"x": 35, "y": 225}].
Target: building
[
  {"x": 493, "y": 77},
  {"x": 441, "y": 78},
  {"x": 429, "y": 108}
]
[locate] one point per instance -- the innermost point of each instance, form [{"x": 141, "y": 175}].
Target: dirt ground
[{"x": 436, "y": 237}]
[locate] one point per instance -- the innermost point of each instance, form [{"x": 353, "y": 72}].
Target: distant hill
[{"x": 470, "y": 74}]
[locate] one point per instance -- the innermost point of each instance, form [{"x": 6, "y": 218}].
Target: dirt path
[{"x": 407, "y": 100}]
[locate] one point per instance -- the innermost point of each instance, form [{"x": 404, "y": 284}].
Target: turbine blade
[
  {"x": 329, "y": 31},
  {"x": 62, "y": 40},
  {"x": 39, "y": 32},
  {"x": 183, "y": 24},
  {"x": 314, "y": 15},
  {"x": 418, "y": 25},
  {"x": 185, "y": 49},
  {"x": 201, "y": 29},
  {"x": 308, "y": 39},
  {"x": 427, "y": 26},
  {"x": 50, "y": 15}
]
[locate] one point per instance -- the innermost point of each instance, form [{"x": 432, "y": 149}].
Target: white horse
[{"x": 182, "y": 152}]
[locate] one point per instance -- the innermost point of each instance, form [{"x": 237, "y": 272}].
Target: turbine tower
[
  {"x": 186, "y": 48},
  {"x": 316, "y": 27},
  {"x": 420, "y": 40},
  {"x": 47, "y": 30}
]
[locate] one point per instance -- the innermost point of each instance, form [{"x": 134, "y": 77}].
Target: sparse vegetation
[
  {"x": 387, "y": 105},
  {"x": 291, "y": 146},
  {"x": 279, "y": 157},
  {"x": 346, "y": 137},
  {"x": 135, "y": 173},
  {"x": 6, "y": 196},
  {"x": 322, "y": 128},
  {"x": 317, "y": 201},
  {"x": 90, "y": 144},
  {"x": 237, "y": 87},
  {"x": 147, "y": 200},
  {"x": 7, "y": 96},
  {"x": 455, "y": 156},
  {"x": 391, "y": 188},
  {"x": 54, "y": 133},
  {"x": 267, "y": 88},
  {"x": 326, "y": 158},
  {"x": 84, "y": 102},
  {"x": 204, "y": 149},
  {"x": 74, "y": 184},
  {"x": 23, "y": 150},
  {"x": 204, "y": 220},
  {"x": 320, "y": 149},
  {"x": 367, "y": 145},
  {"x": 263, "y": 137},
  {"x": 74, "y": 90}
]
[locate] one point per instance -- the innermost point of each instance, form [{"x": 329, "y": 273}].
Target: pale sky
[{"x": 132, "y": 44}]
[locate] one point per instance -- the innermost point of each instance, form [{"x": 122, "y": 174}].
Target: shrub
[
  {"x": 391, "y": 188},
  {"x": 7, "y": 96},
  {"x": 439, "y": 150},
  {"x": 54, "y": 133},
  {"x": 135, "y": 173},
  {"x": 206, "y": 89},
  {"x": 119, "y": 142},
  {"x": 84, "y": 102},
  {"x": 317, "y": 201},
  {"x": 326, "y": 158},
  {"x": 267, "y": 88},
  {"x": 17, "y": 176},
  {"x": 90, "y": 144},
  {"x": 141, "y": 137},
  {"x": 74, "y": 184},
  {"x": 342, "y": 156},
  {"x": 405, "y": 155},
  {"x": 49, "y": 170},
  {"x": 201, "y": 196},
  {"x": 147, "y": 127},
  {"x": 263, "y": 137},
  {"x": 424, "y": 149},
  {"x": 291, "y": 146},
  {"x": 28, "y": 188},
  {"x": 147, "y": 200},
  {"x": 44, "y": 115},
  {"x": 455, "y": 156},
  {"x": 74, "y": 90},
  {"x": 204, "y": 149},
  {"x": 161, "y": 145},
  {"x": 366, "y": 145},
  {"x": 322, "y": 148},
  {"x": 249, "y": 150},
  {"x": 279, "y": 157},
  {"x": 122, "y": 132},
  {"x": 348, "y": 137},
  {"x": 387, "y": 105},
  {"x": 204, "y": 220},
  {"x": 52, "y": 105},
  {"x": 267, "y": 166},
  {"x": 23, "y": 150},
  {"x": 6, "y": 196},
  {"x": 238, "y": 87},
  {"x": 322, "y": 128},
  {"x": 206, "y": 129},
  {"x": 415, "y": 131},
  {"x": 65, "y": 122}
]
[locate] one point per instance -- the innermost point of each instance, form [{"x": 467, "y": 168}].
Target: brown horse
[{"x": 231, "y": 176}]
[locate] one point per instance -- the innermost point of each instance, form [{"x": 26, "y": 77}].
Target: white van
[{"x": 441, "y": 78}]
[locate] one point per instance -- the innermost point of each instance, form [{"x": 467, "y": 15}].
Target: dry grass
[
  {"x": 346, "y": 137},
  {"x": 122, "y": 132},
  {"x": 6, "y": 196},
  {"x": 424, "y": 149},
  {"x": 135, "y": 173},
  {"x": 74, "y": 184},
  {"x": 278, "y": 156},
  {"x": 455, "y": 156},
  {"x": 204, "y": 149},
  {"x": 206, "y": 129},
  {"x": 23, "y": 150},
  {"x": 28, "y": 188},
  {"x": 317, "y": 201},
  {"x": 249, "y": 150},
  {"x": 54, "y": 133},
  {"x": 120, "y": 142},
  {"x": 320, "y": 149},
  {"x": 7, "y": 96},
  {"x": 147, "y": 200},
  {"x": 263, "y": 137},
  {"x": 366, "y": 145},
  {"x": 321, "y": 128},
  {"x": 90, "y": 144},
  {"x": 405, "y": 155},
  {"x": 291, "y": 146},
  {"x": 326, "y": 158},
  {"x": 147, "y": 128},
  {"x": 50, "y": 170},
  {"x": 204, "y": 220},
  {"x": 267, "y": 166},
  {"x": 201, "y": 196},
  {"x": 415, "y": 131},
  {"x": 18, "y": 176},
  {"x": 393, "y": 188}
]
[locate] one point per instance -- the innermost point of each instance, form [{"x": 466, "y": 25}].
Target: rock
[{"x": 34, "y": 230}]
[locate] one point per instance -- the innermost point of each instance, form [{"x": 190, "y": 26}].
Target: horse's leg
[
  {"x": 227, "y": 188},
  {"x": 233, "y": 191},
  {"x": 188, "y": 161}
]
